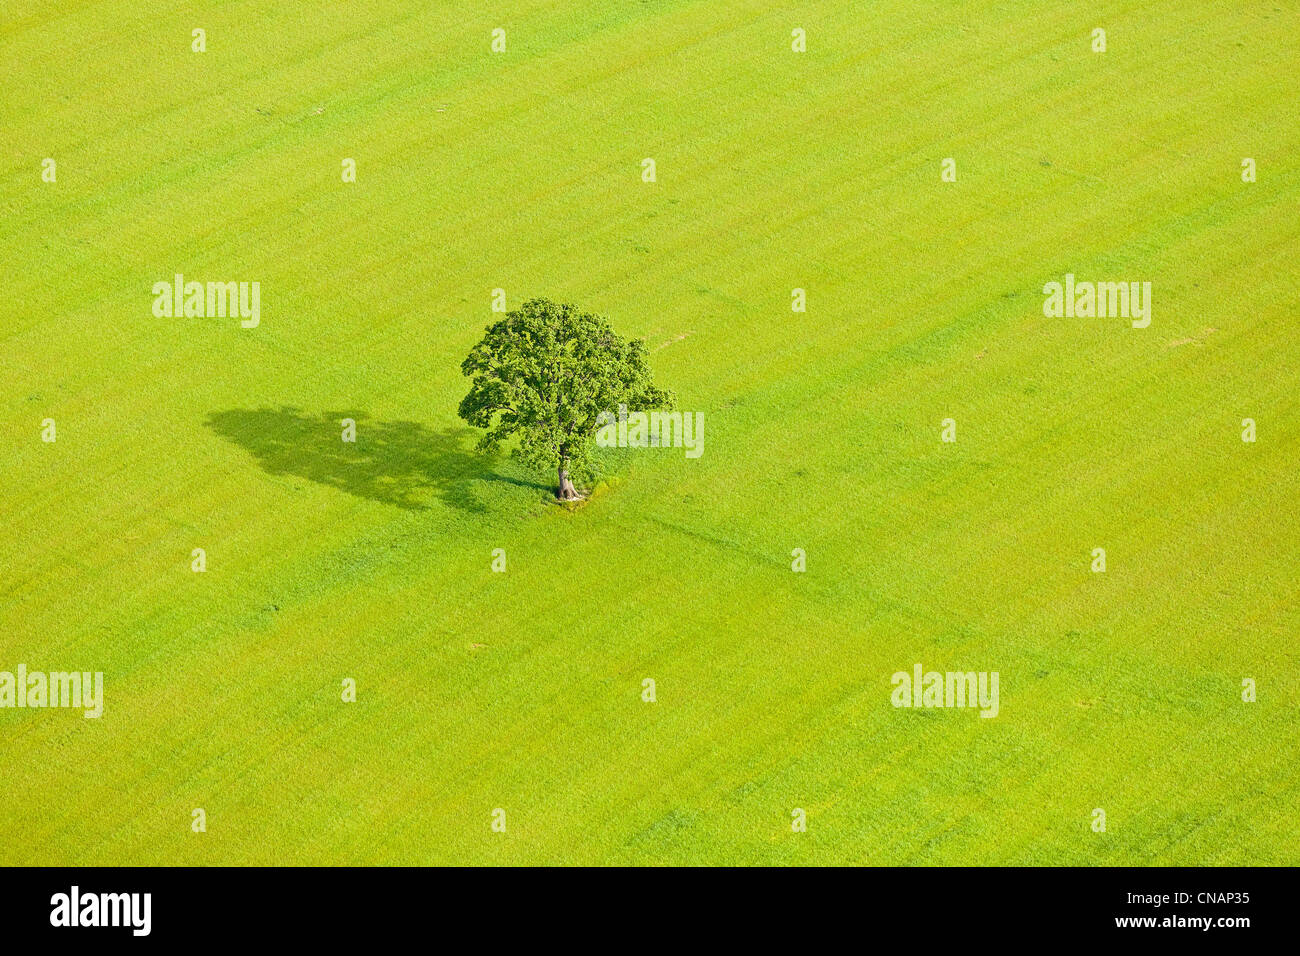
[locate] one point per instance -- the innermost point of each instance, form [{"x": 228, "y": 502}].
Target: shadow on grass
[{"x": 398, "y": 463}]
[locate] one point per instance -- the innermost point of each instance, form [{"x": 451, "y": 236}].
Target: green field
[{"x": 775, "y": 170}]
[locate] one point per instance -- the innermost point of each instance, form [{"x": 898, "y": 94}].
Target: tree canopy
[{"x": 543, "y": 374}]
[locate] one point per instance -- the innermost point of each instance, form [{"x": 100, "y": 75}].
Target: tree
[{"x": 543, "y": 374}]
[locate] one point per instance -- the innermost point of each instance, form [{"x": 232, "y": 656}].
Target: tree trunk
[{"x": 566, "y": 490}]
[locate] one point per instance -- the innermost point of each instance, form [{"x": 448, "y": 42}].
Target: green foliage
[{"x": 544, "y": 373}]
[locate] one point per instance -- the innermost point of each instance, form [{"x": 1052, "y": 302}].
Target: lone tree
[{"x": 543, "y": 374}]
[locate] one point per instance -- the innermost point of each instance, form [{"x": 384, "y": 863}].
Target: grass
[{"x": 522, "y": 690}]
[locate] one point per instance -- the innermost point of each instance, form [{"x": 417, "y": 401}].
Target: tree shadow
[{"x": 399, "y": 463}]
